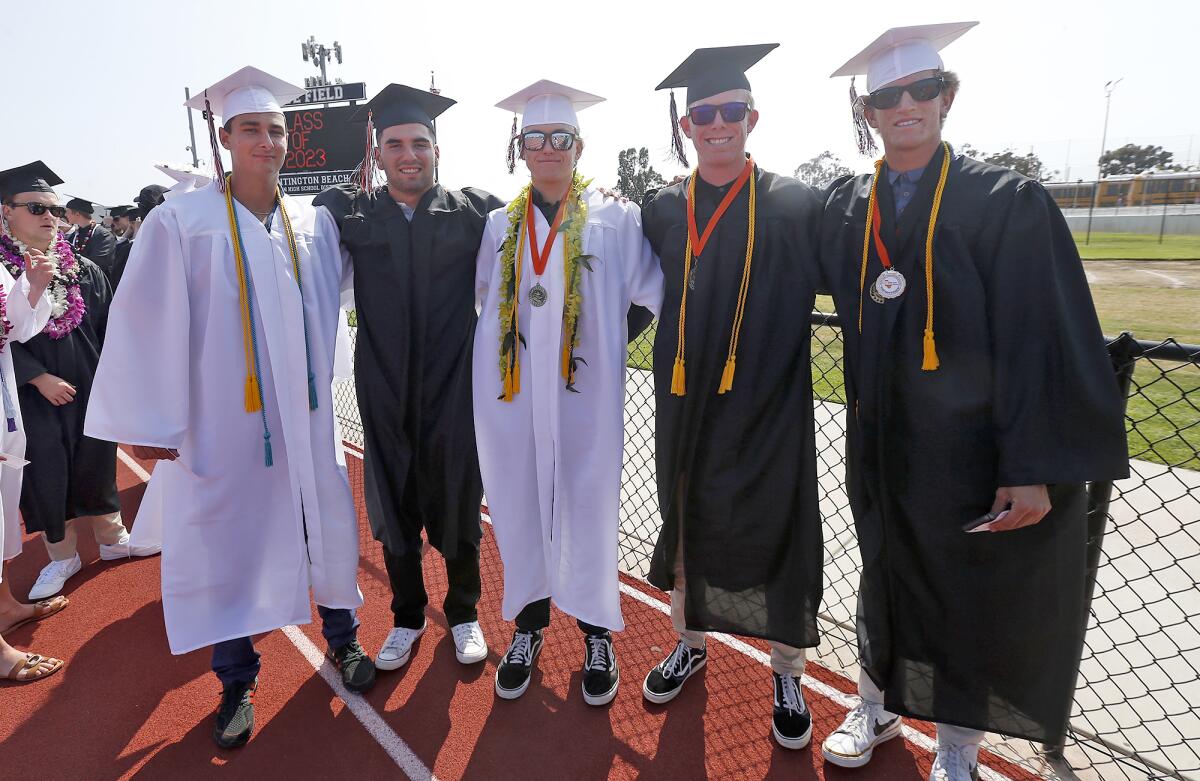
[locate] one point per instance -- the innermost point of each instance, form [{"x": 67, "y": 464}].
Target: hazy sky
[{"x": 96, "y": 90}]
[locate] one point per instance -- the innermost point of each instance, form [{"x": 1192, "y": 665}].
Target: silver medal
[
  {"x": 878, "y": 299},
  {"x": 890, "y": 284},
  {"x": 538, "y": 294}
]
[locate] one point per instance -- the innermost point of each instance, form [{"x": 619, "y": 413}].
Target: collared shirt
[
  {"x": 904, "y": 186},
  {"x": 408, "y": 210}
]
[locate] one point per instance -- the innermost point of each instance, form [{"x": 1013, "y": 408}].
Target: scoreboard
[{"x": 324, "y": 148}]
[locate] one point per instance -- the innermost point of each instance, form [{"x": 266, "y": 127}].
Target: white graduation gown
[
  {"x": 26, "y": 322},
  {"x": 550, "y": 458},
  {"x": 235, "y": 558}
]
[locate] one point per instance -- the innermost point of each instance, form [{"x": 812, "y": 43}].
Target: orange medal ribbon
[
  {"x": 699, "y": 241},
  {"x": 542, "y": 256}
]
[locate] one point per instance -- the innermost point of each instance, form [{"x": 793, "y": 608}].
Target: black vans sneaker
[
  {"x": 791, "y": 723},
  {"x": 516, "y": 668},
  {"x": 357, "y": 669},
  {"x": 666, "y": 680},
  {"x": 600, "y": 672},
  {"x": 235, "y": 715}
]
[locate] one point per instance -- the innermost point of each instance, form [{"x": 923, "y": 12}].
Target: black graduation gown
[
  {"x": 737, "y": 472},
  {"x": 120, "y": 258},
  {"x": 978, "y": 630},
  {"x": 414, "y": 291},
  {"x": 69, "y": 475},
  {"x": 100, "y": 248}
]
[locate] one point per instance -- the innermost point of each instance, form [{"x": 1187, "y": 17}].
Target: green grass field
[{"x": 1136, "y": 246}]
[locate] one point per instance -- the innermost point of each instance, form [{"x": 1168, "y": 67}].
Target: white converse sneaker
[
  {"x": 469, "y": 645},
  {"x": 955, "y": 763},
  {"x": 53, "y": 577},
  {"x": 865, "y": 727},
  {"x": 122, "y": 549},
  {"x": 397, "y": 648}
]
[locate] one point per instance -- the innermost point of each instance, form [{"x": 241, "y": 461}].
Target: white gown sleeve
[
  {"x": 486, "y": 260},
  {"x": 643, "y": 272},
  {"x": 26, "y": 321},
  {"x": 140, "y": 395}
]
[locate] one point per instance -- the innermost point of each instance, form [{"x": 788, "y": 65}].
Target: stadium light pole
[{"x": 1108, "y": 91}]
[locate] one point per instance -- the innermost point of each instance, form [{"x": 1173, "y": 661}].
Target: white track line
[
  {"x": 134, "y": 466},
  {"x": 379, "y": 729},
  {"x": 384, "y": 735},
  {"x": 1174, "y": 282}
]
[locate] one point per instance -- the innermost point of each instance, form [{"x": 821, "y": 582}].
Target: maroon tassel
[
  {"x": 512, "y": 147},
  {"x": 366, "y": 169},
  {"x": 862, "y": 131},
  {"x": 678, "y": 151},
  {"x": 218, "y": 166}
]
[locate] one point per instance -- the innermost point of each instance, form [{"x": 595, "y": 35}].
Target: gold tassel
[
  {"x": 566, "y": 362},
  {"x": 930, "y": 361},
  {"x": 252, "y": 403},
  {"x": 678, "y": 381},
  {"x": 516, "y": 376},
  {"x": 727, "y": 375},
  {"x": 507, "y": 391}
]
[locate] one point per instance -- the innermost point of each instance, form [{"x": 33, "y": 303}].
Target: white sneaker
[
  {"x": 955, "y": 763},
  {"x": 121, "y": 549},
  {"x": 53, "y": 577},
  {"x": 469, "y": 645},
  {"x": 397, "y": 648},
  {"x": 865, "y": 727}
]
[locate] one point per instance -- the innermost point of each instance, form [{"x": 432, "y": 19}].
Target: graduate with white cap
[
  {"x": 982, "y": 400},
  {"x": 231, "y": 390},
  {"x": 557, "y": 272}
]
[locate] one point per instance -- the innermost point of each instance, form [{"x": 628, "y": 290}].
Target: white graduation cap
[
  {"x": 187, "y": 178},
  {"x": 548, "y": 103},
  {"x": 246, "y": 91},
  {"x": 903, "y": 51}
]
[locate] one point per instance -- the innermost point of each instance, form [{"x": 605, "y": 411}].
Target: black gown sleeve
[
  {"x": 1057, "y": 415},
  {"x": 26, "y": 366},
  {"x": 97, "y": 295},
  {"x": 102, "y": 248}
]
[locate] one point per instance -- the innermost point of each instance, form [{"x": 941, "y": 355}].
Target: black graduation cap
[
  {"x": 708, "y": 72},
  {"x": 118, "y": 211},
  {"x": 398, "y": 104},
  {"x": 35, "y": 177},
  {"x": 82, "y": 206}
]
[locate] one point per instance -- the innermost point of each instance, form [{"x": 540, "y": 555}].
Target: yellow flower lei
[{"x": 512, "y": 253}]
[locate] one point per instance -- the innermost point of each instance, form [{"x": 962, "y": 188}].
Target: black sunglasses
[
  {"x": 535, "y": 140},
  {"x": 706, "y": 114},
  {"x": 38, "y": 209},
  {"x": 889, "y": 97}
]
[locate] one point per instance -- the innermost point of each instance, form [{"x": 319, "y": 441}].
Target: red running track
[{"x": 123, "y": 707}]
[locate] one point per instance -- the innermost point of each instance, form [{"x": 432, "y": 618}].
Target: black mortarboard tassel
[
  {"x": 678, "y": 151},
  {"x": 512, "y": 147}
]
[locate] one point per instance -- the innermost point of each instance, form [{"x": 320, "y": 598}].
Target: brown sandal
[
  {"x": 43, "y": 609},
  {"x": 31, "y": 668}
]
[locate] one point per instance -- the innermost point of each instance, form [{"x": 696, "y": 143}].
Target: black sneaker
[
  {"x": 358, "y": 671},
  {"x": 516, "y": 668},
  {"x": 235, "y": 715},
  {"x": 600, "y": 672},
  {"x": 666, "y": 680},
  {"x": 791, "y": 723}
]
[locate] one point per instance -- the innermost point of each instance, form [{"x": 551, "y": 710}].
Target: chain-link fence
[{"x": 1140, "y": 671}]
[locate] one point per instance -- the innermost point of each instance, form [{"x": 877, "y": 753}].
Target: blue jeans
[{"x": 236, "y": 661}]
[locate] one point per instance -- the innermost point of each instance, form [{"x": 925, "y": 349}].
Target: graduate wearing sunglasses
[
  {"x": 977, "y": 381},
  {"x": 558, "y": 270},
  {"x": 740, "y": 545}
]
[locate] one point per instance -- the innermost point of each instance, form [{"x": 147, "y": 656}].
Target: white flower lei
[{"x": 58, "y": 287}]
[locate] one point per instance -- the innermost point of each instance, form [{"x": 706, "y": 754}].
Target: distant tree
[
  {"x": 1134, "y": 159},
  {"x": 1031, "y": 165},
  {"x": 635, "y": 175},
  {"x": 821, "y": 170},
  {"x": 970, "y": 151}
]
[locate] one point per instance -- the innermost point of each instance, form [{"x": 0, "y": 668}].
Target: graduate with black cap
[
  {"x": 733, "y": 392},
  {"x": 977, "y": 381},
  {"x": 125, "y": 224},
  {"x": 90, "y": 239},
  {"x": 413, "y": 244},
  {"x": 28, "y": 212},
  {"x": 73, "y": 480}
]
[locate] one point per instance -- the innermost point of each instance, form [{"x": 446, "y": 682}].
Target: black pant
[
  {"x": 408, "y": 585},
  {"x": 536, "y": 615}
]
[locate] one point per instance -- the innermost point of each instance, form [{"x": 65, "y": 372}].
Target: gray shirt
[{"x": 904, "y": 186}]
